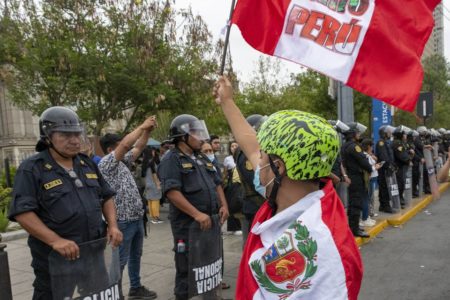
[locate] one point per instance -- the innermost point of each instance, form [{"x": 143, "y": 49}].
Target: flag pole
[{"x": 227, "y": 38}]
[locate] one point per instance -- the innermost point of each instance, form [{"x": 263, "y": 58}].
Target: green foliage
[
  {"x": 12, "y": 172},
  {"x": 5, "y": 200},
  {"x": 107, "y": 59},
  {"x": 3, "y": 220}
]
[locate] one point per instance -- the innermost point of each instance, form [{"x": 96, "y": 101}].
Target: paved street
[
  {"x": 411, "y": 262},
  {"x": 401, "y": 263}
]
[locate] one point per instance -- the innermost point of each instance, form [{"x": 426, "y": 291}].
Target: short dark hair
[
  {"x": 109, "y": 140},
  {"x": 366, "y": 143},
  {"x": 213, "y": 137}
]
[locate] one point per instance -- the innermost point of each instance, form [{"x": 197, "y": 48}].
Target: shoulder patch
[
  {"x": 358, "y": 148},
  {"x": 400, "y": 148},
  {"x": 82, "y": 162},
  {"x": 187, "y": 166},
  {"x": 91, "y": 176},
  {"x": 52, "y": 184},
  {"x": 381, "y": 143},
  {"x": 248, "y": 165},
  {"x": 48, "y": 166}
]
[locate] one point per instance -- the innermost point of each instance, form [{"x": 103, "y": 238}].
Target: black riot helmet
[
  {"x": 184, "y": 125},
  {"x": 400, "y": 131},
  {"x": 339, "y": 126},
  {"x": 256, "y": 120},
  {"x": 382, "y": 131},
  {"x": 354, "y": 128},
  {"x": 58, "y": 119}
]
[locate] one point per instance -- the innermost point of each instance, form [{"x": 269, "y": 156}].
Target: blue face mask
[
  {"x": 210, "y": 157},
  {"x": 261, "y": 189}
]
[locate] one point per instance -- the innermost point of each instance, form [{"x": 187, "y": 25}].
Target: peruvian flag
[
  {"x": 306, "y": 251},
  {"x": 373, "y": 46}
]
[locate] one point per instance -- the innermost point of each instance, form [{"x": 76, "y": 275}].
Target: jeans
[
  {"x": 372, "y": 187},
  {"x": 130, "y": 251}
]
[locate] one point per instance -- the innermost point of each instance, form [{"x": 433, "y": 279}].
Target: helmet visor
[
  {"x": 361, "y": 128},
  {"x": 53, "y": 127},
  {"x": 196, "y": 129},
  {"x": 341, "y": 126},
  {"x": 389, "y": 129}
]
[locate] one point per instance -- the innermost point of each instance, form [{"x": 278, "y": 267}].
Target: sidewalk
[
  {"x": 384, "y": 220},
  {"x": 158, "y": 269}
]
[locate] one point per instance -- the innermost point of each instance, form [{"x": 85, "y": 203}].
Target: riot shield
[
  {"x": 420, "y": 179},
  {"x": 407, "y": 194},
  {"x": 438, "y": 159},
  {"x": 205, "y": 261},
  {"x": 94, "y": 275},
  {"x": 431, "y": 173},
  {"x": 394, "y": 195}
]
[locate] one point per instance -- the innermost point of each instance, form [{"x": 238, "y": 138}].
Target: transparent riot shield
[
  {"x": 394, "y": 195},
  {"x": 341, "y": 189},
  {"x": 94, "y": 275},
  {"x": 437, "y": 159},
  {"x": 205, "y": 261},
  {"x": 420, "y": 179},
  {"x": 407, "y": 194},
  {"x": 431, "y": 173}
]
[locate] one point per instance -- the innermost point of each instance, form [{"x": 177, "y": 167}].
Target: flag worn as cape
[
  {"x": 304, "y": 252},
  {"x": 374, "y": 46}
]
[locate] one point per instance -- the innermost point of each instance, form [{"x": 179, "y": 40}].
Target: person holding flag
[{"x": 300, "y": 244}]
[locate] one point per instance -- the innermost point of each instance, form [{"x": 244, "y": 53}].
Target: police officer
[
  {"x": 402, "y": 159},
  {"x": 193, "y": 188},
  {"x": 337, "y": 171},
  {"x": 423, "y": 142},
  {"x": 59, "y": 197},
  {"x": 384, "y": 153},
  {"x": 252, "y": 200},
  {"x": 417, "y": 160},
  {"x": 356, "y": 163}
]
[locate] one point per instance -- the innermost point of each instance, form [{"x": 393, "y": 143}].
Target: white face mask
[
  {"x": 261, "y": 189},
  {"x": 211, "y": 157}
]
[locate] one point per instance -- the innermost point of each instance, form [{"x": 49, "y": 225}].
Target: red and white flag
[
  {"x": 304, "y": 252},
  {"x": 373, "y": 46}
]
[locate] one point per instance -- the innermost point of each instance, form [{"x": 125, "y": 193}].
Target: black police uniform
[
  {"x": 355, "y": 162},
  {"x": 196, "y": 178},
  {"x": 416, "y": 159},
  {"x": 422, "y": 141},
  {"x": 384, "y": 153},
  {"x": 252, "y": 200},
  {"x": 336, "y": 169},
  {"x": 402, "y": 159},
  {"x": 74, "y": 213}
]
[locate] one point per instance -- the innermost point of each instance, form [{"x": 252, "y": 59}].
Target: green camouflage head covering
[{"x": 306, "y": 143}]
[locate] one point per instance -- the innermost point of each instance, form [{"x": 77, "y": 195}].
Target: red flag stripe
[
  {"x": 391, "y": 51},
  {"x": 333, "y": 215},
  {"x": 269, "y": 25}
]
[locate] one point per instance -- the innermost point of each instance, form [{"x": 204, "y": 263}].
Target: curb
[
  {"x": 405, "y": 217},
  {"x": 13, "y": 235}
]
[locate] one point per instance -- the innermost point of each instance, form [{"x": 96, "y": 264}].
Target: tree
[{"x": 107, "y": 59}]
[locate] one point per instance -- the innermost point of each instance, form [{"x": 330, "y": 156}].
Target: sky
[{"x": 216, "y": 12}]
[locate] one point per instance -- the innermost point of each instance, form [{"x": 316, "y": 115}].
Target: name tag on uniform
[
  {"x": 91, "y": 176},
  {"x": 187, "y": 166},
  {"x": 52, "y": 184}
]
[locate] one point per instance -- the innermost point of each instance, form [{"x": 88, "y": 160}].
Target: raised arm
[
  {"x": 140, "y": 134},
  {"x": 244, "y": 134}
]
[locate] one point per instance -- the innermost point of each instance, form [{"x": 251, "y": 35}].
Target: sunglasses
[{"x": 73, "y": 175}]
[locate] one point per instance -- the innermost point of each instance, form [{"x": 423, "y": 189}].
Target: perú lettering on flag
[{"x": 373, "y": 46}]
